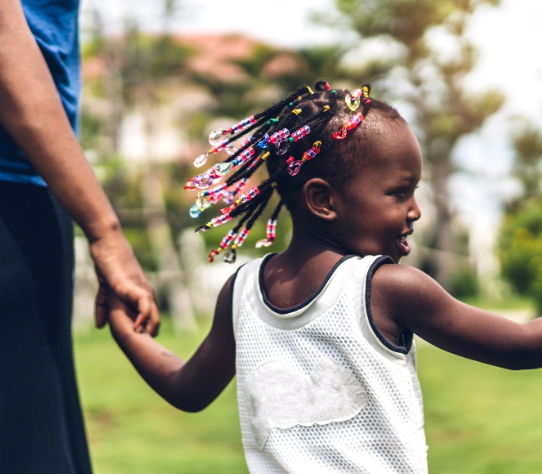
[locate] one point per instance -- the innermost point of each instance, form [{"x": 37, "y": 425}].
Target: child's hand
[{"x": 121, "y": 316}]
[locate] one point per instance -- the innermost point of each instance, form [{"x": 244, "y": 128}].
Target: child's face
[{"x": 379, "y": 208}]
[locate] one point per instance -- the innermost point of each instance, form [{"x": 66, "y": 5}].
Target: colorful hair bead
[
  {"x": 264, "y": 143},
  {"x": 216, "y": 136},
  {"x": 365, "y": 90},
  {"x": 279, "y": 136},
  {"x": 243, "y": 157},
  {"x": 295, "y": 166},
  {"x": 241, "y": 237},
  {"x": 195, "y": 211},
  {"x": 353, "y": 100},
  {"x": 229, "y": 196},
  {"x": 352, "y": 123},
  {"x": 270, "y": 234},
  {"x": 215, "y": 222},
  {"x": 222, "y": 145},
  {"x": 246, "y": 141},
  {"x": 226, "y": 241},
  {"x": 203, "y": 181},
  {"x": 201, "y": 160},
  {"x": 231, "y": 256},
  {"x": 248, "y": 196},
  {"x": 239, "y": 126},
  {"x": 205, "y": 199},
  {"x": 299, "y": 134}
]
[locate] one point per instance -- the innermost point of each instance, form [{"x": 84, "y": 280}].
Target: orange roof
[{"x": 215, "y": 55}]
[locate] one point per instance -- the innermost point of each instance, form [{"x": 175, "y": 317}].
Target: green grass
[
  {"x": 133, "y": 431},
  {"x": 479, "y": 419}
]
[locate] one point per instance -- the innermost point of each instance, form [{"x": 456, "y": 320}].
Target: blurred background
[{"x": 158, "y": 76}]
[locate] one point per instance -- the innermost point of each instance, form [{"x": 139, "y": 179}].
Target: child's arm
[
  {"x": 189, "y": 386},
  {"x": 415, "y": 301}
]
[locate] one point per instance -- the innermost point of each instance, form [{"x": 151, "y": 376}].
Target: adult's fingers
[
  {"x": 153, "y": 324},
  {"x": 100, "y": 307},
  {"x": 148, "y": 318}
]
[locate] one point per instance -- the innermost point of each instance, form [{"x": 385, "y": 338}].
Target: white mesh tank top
[{"x": 320, "y": 390}]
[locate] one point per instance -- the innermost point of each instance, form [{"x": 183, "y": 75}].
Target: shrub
[{"x": 520, "y": 249}]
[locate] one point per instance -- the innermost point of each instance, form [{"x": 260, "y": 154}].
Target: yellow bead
[{"x": 265, "y": 156}]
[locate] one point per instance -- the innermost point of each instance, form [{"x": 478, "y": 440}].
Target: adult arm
[
  {"x": 415, "y": 301},
  {"x": 32, "y": 113},
  {"x": 189, "y": 386}
]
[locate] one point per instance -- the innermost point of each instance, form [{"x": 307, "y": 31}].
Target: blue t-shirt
[{"x": 54, "y": 24}]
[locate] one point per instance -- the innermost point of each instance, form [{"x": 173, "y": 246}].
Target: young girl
[{"x": 320, "y": 335}]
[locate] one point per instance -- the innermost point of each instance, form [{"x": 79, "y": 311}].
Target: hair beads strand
[
  {"x": 231, "y": 256},
  {"x": 271, "y": 228}
]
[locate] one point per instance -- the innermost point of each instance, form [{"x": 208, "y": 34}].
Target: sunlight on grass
[{"x": 479, "y": 419}]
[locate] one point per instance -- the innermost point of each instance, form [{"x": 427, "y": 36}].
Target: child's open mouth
[{"x": 402, "y": 243}]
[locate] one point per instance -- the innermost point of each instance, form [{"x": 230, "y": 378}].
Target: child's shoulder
[{"x": 400, "y": 289}]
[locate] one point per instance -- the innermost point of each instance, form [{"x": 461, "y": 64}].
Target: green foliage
[
  {"x": 527, "y": 168},
  {"x": 139, "y": 241},
  {"x": 520, "y": 239},
  {"x": 464, "y": 282},
  {"x": 91, "y": 128},
  {"x": 520, "y": 249}
]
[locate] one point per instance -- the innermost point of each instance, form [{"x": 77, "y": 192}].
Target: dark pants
[{"x": 41, "y": 425}]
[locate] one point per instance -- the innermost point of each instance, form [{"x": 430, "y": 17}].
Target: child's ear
[{"x": 318, "y": 197}]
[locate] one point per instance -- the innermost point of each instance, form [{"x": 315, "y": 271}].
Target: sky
[{"x": 506, "y": 38}]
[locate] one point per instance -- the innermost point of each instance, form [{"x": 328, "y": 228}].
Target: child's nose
[{"x": 414, "y": 212}]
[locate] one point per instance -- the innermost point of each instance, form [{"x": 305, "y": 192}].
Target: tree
[
  {"x": 527, "y": 166},
  {"x": 520, "y": 236},
  {"x": 431, "y": 82}
]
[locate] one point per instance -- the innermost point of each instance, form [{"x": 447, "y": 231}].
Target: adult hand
[{"x": 118, "y": 270}]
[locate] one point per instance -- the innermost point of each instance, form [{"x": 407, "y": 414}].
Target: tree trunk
[
  {"x": 167, "y": 259},
  {"x": 441, "y": 171},
  {"x": 170, "y": 271},
  {"x": 114, "y": 92}
]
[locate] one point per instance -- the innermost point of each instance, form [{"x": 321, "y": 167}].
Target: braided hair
[{"x": 280, "y": 138}]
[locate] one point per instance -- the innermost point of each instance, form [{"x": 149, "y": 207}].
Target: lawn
[{"x": 479, "y": 419}]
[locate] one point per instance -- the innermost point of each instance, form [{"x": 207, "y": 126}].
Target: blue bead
[{"x": 195, "y": 211}]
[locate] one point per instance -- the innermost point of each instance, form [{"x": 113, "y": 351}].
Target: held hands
[
  {"x": 120, "y": 316},
  {"x": 119, "y": 272}
]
